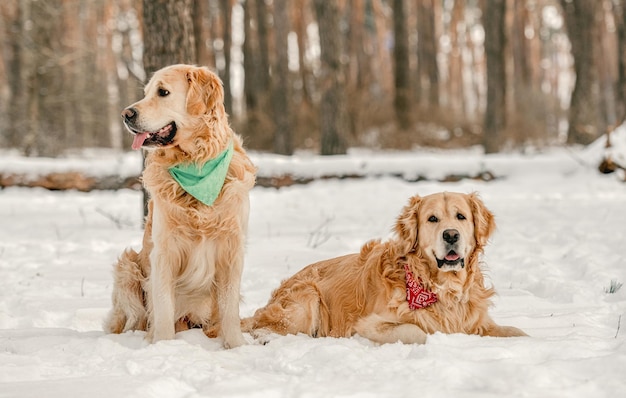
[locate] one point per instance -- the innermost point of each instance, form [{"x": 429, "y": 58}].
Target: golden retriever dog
[
  {"x": 427, "y": 279},
  {"x": 188, "y": 272}
]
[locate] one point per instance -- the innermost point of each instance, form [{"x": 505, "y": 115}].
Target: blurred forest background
[{"x": 321, "y": 75}]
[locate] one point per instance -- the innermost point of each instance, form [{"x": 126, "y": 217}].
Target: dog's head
[
  {"x": 446, "y": 228},
  {"x": 177, "y": 100}
]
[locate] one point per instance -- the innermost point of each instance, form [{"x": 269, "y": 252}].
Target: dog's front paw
[
  {"x": 234, "y": 341},
  {"x": 155, "y": 335}
]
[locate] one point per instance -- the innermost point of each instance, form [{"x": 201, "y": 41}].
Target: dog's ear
[
  {"x": 484, "y": 222},
  {"x": 406, "y": 225},
  {"x": 205, "y": 93}
]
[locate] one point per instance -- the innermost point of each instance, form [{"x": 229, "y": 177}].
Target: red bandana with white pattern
[{"x": 416, "y": 295}]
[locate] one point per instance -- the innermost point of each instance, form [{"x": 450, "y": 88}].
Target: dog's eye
[
  {"x": 460, "y": 216},
  {"x": 163, "y": 92},
  {"x": 433, "y": 219}
]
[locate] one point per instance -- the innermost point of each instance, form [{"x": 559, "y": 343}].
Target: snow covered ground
[{"x": 560, "y": 245}]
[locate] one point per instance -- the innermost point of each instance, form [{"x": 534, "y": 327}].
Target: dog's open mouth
[
  {"x": 451, "y": 261},
  {"x": 161, "y": 137}
]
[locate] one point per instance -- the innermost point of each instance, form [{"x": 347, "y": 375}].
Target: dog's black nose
[
  {"x": 451, "y": 236},
  {"x": 129, "y": 114}
]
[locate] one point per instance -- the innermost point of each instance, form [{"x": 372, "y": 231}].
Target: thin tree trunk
[
  {"x": 250, "y": 85},
  {"x": 584, "y": 115},
  {"x": 280, "y": 89},
  {"x": 226, "y": 9},
  {"x": 264, "y": 65},
  {"x": 620, "y": 16},
  {"x": 15, "y": 81},
  {"x": 495, "y": 114},
  {"x": 402, "y": 99},
  {"x": 427, "y": 68},
  {"x": 455, "y": 95},
  {"x": 305, "y": 73},
  {"x": 333, "y": 116}
]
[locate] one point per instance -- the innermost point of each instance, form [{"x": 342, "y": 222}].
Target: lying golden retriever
[
  {"x": 427, "y": 279},
  {"x": 198, "y": 175}
]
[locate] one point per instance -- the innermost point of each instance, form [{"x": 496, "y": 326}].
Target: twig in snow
[
  {"x": 320, "y": 234},
  {"x": 619, "y": 322},
  {"x": 117, "y": 220}
]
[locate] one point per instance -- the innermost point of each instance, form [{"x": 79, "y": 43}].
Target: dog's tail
[{"x": 129, "y": 310}]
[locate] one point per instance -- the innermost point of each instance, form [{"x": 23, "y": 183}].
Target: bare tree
[
  {"x": 427, "y": 51},
  {"x": 620, "y": 18},
  {"x": 584, "y": 116},
  {"x": 45, "y": 78},
  {"x": 402, "y": 99},
  {"x": 167, "y": 34},
  {"x": 333, "y": 114},
  {"x": 264, "y": 63},
  {"x": 280, "y": 89},
  {"x": 13, "y": 57},
  {"x": 495, "y": 113},
  {"x": 227, "y": 40}
]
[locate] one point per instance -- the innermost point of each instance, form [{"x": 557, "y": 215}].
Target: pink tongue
[
  {"x": 138, "y": 140},
  {"x": 452, "y": 256}
]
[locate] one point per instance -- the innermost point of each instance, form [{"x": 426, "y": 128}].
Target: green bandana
[{"x": 204, "y": 183}]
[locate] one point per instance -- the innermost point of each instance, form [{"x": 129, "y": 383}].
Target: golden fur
[
  {"x": 188, "y": 271},
  {"x": 365, "y": 293}
]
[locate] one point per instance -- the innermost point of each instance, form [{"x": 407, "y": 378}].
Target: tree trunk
[
  {"x": 226, "y": 9},
  {"x": 333, "y": 111},
  {"x": 584, "y": 115},
  {"x": 455, "y": 59},
  {"x": 250, "y": 55},
  {"x": 305, "y": 73},
  {"x": 168, "y": 34},
  {"x": 427, "y": 68},
  {"x": 14, "y": 69},
  {"x": 620, "y": 19},
  {"x": 264, "y": 65},
  {"x": 47, "y": 90},
  {"x": 402, "y": 100},
  {"x": 495, "y": 113},
  {"x": 280, "y": 86}
]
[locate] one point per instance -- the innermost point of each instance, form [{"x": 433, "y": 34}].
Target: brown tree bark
[
  {"x": 226, "y": 9},
  {"x": 202, "y": 36},
  {"x": 264, "y": 63},
  {"x": 427, "y": 68},
  {"x": 455, "y": 60},
  {"x": 280, "y": 87},
  {"x": 13, "y": 63},
  {"x": 495, "y": 113},
  {"x": 250, "y": 60},
  {"x": 167, "y": 34},
  {"x": 46, "y": 90},
  {"x": 333, "y": 111},
  {"x": 300, "y": 26},
  {"x": 620, "y": 20},
  {"x": 402, "y": 81},
  {"x": 584, "y": 115}
]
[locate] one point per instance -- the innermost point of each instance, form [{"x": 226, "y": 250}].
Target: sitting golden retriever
[
  {"x": 198, "y": 175},
  {"x": 427, "y": 279}
]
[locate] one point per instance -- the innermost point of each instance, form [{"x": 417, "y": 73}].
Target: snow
[{"x": 558, "y": 247}]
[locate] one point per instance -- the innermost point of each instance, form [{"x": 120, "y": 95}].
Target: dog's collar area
[
  {"x": 416, "y": 295},
  {"x": 204, "y": 182}
]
